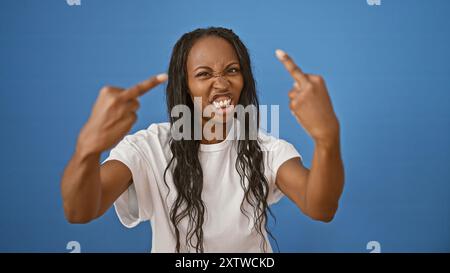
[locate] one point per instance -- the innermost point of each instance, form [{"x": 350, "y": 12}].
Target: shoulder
[
  {"x": 269, "y": 143},
  {"x": 155, "y": 133}
]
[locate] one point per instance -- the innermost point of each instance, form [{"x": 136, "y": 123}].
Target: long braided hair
[{"x": 186, "y": 169}]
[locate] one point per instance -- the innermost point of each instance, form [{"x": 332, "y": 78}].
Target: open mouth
[{"x": 222, "y": 104}]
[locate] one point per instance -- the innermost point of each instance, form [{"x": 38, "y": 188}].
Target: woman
[{"x": 206, "y": 194}]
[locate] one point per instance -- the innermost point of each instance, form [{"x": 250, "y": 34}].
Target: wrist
[
  {"x": 328, "y": 142},
  {"x": 84, "y": 150}
]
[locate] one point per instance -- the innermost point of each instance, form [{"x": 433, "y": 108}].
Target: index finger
[
  {"x": 144, "y": 86},
  {"x": 291, "y": 67}
]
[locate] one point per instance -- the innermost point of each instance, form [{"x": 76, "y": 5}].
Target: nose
[{"x": 221, "y": 82}]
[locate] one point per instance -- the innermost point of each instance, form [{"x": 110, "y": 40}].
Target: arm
[
  {"x": 316, "y": 191},
  {"x": 87, "y": 188}
]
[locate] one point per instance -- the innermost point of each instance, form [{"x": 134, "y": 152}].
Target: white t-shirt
[{"x": 226, "y": 228}]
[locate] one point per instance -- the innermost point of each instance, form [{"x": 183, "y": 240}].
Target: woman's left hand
[{"x": 311, "y": 104}]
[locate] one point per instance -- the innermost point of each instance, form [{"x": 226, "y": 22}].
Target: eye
[
  {"x": 233, "y": 70},
  {"x": 202, "y": 74}
]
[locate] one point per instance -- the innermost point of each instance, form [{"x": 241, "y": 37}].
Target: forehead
[{"x": 211, "y": 51}]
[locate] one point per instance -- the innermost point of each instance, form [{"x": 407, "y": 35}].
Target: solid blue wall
[{"x": 387, "y": 70}]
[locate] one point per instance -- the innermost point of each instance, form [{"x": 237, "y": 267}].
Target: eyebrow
[{"x": 207, "y": 67}]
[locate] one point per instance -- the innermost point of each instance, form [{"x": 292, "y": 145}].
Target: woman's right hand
[{"x": 113, "y": 115}]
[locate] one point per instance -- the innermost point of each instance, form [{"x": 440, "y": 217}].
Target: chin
[{"x": 223, "y": 115}]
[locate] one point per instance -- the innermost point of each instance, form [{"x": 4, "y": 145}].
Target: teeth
[{"x": 222, "y": 104}]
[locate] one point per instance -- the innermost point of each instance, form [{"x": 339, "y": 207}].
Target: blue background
[{"x": 387, "y": 69}]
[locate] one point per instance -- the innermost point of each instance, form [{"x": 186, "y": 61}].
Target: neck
[{"x": 217, "y": 135}]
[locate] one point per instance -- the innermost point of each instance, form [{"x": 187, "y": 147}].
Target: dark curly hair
[{"x": 186, "y": 169}]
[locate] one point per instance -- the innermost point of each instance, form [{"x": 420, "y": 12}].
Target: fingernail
[
  {"x": 280, "y": 54},
  {"x": 162, "y": 77}
]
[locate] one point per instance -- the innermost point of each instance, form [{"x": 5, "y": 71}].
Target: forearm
[
  {"x": 325, "y": 180},
  {"x": 81, "y": 187}
]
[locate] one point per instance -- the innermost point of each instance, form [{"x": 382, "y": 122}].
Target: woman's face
[{"x": 214, "y": 76}]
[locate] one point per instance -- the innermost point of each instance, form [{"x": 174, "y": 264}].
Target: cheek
[
  {"x": 199, "y": 90},
  {"x": 237, "y": 85}
]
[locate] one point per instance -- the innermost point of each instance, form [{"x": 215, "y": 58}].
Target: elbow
[
  {"x": 77, "y": 220},
  {"x": 326, "y": 218},
  {"x": 75, "y": 217},
  {"x": 323, "y": 215}
]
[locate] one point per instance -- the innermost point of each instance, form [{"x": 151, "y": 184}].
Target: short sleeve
[
  {"x": 280, "y": 152},
  {"x": 133, "y": 205}
]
